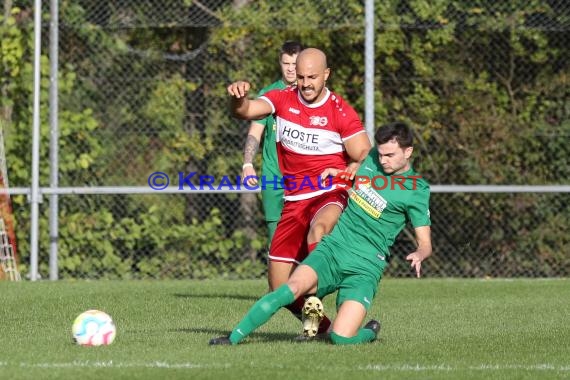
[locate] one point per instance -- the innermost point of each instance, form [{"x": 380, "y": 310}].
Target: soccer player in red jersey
[{"x": 315, "y": 129}]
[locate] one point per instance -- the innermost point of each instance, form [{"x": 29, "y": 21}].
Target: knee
[{"x": 295, "y": 288}]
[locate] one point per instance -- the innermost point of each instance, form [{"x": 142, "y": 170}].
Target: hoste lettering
[{"x": 310, "y": 138}]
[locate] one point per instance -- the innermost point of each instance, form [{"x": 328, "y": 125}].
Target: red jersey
[{"x": 310, "y": 138}]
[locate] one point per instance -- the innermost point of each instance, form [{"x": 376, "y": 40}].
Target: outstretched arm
[
  {"x": 357, "y": 148},
  {"x": 244, "y": 108},
  {"x": 423, "y": 237}
]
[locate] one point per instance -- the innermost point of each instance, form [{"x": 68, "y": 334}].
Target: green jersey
[
  {"x": 379, "y": 207},
  {"x": 270, "y": 164}
]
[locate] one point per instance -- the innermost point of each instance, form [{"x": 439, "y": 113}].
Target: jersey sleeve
[
  {"x": 350, "y": 123},
  {"x": 274, "y": 98},
  {"x": 268, "y": 119},
  {"x": 418, "y": 209}
]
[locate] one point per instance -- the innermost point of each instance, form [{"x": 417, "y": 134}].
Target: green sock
[
  {"x": 363, "y": 336},
  {"x": 261, "y": 311}
]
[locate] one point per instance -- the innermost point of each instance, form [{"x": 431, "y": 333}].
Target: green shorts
[
  {"x": 355, "y": 277},
  {"x": 272, "y": 200}
]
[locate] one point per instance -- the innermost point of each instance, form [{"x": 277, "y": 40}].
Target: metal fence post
[
  {"x": 35, "y": 187},
  {"x": 54, "y": 137},
  {"x": 369, "y": 68}
]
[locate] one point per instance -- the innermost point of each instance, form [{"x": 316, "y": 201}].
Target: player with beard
[
  {"x": 353, "y": 257},
  {"x": 316, "y": 129}
]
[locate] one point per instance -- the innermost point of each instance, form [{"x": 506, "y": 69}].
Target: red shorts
[{"x": 289, "y": 244}]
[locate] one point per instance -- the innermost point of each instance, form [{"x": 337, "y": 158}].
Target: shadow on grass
[
  {"x": 255, "y": 337},
  {"x": 228, "y": 296}
]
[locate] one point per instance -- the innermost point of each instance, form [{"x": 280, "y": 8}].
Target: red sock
[
  {"x": 297, "y": 308},
  {"x": 311, "y": 246},
  {"x": 324, "y": 326}
]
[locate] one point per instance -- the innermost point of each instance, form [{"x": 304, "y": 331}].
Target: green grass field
[{"x": 438, "y": 329}]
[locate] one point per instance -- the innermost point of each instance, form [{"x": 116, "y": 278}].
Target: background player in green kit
[
  {"x": 272, "y": 195},
  {"x": 387, "y": 193}
]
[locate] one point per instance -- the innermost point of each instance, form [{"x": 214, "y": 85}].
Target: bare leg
[
  {"x": 349, "y": 318},
  {"x": 323, "y": 222},
  {"x": 346, "y": 328},
  {"x": 278, "y": 273},
  {"x": 304, "y": 279},
  {"x": 321, "y": 225}
]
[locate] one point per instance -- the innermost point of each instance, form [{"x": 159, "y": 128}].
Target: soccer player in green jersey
[
  {"x": 386, "y": 194},
  {"x": 271, "y": 196}
]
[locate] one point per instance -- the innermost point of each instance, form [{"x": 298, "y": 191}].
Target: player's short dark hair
[
  {"x": 291, "y": 48},
  {"x": 398, "y": 131}
]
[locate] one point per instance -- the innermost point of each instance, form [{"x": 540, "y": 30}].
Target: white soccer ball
[{"x": 93, "y": 328}]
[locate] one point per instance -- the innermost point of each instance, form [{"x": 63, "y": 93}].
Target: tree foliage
[{"x": 484, "y": 84}]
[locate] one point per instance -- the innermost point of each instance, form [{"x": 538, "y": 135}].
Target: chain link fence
[{"x": 142, "y": 90}]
